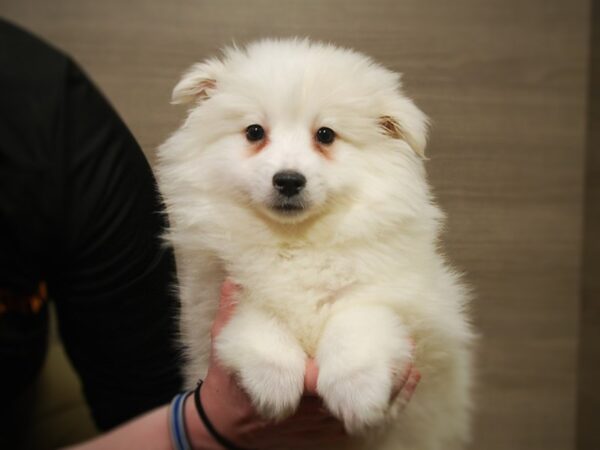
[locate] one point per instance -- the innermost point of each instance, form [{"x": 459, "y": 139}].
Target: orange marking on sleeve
[{"x": 43, "y": 290}]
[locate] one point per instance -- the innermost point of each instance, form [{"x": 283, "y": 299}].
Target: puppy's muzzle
[{"x": 289, "y": 183}]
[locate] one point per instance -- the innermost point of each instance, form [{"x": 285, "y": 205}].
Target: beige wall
[
  {"x": 505, "y": 82},
  {"x": 588, "y": 432}
]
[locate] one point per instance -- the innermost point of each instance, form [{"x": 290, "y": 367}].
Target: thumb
[
  {"x": 227, "y": 306},
  {"x": 311, "y": 374}
]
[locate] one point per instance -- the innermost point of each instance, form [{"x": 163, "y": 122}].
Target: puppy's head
[{"x": 294, "y": 129}]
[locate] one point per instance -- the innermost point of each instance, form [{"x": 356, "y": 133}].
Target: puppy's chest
[{"x": 297, "y": 285}]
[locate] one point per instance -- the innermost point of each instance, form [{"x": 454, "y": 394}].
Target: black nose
[{"x": 289, "y": 182}]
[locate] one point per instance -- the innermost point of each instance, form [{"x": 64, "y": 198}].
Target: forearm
[{"x": 151, "y": 431}]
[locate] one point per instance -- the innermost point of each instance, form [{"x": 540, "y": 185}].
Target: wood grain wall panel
[
  {"x": 588, "y": 433},
  {"x": 505, "y": 85}
]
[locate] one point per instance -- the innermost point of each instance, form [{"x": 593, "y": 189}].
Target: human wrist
[{"x": 198, "y": 435}]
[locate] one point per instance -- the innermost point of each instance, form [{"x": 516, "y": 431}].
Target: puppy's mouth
[{"x": 286, "y": 206}]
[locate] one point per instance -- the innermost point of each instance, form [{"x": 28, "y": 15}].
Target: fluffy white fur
[{"x": 351, "y": 278}]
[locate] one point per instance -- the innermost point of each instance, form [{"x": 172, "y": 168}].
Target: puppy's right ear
[{"x": 198, "y": 83}]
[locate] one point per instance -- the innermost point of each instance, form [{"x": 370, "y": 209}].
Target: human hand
[{"x": 231, "y": 412}]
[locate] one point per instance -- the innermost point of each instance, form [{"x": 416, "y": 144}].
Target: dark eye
[
  {"x": 255, "y": 133},
  {"x": 325, "y": 135}
]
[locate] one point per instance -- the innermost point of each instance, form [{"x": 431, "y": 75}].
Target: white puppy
[{"x": 298, "y": 173}]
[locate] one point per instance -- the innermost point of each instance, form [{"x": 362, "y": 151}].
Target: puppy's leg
[
  {"x": 362, "y": 350},
  {"x": 199, "y": 286},
  {"x": 268, "y": 360}
]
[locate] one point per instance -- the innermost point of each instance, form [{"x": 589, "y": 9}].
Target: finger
[
  {"x": 228, "y": 289},
  {"x": 410, "y": 387},
  {"x": 400, "y": 382},
  {"x": 226, "y": 306},
  {"x": 311, "y": 374}
]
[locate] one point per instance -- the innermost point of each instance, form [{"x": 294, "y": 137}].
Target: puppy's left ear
[
  {"x": 408, "y": 123},
  {"x": 198, "y": 83}
]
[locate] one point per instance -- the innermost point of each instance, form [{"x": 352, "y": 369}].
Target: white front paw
[
  {"x": 267, "y": 359},
  {"x": 361, "y": 350},
  {"x": 275, "y": 387},
  {"x": 359, "y": 397}
]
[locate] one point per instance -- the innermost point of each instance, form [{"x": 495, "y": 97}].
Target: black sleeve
[{"x": 112, "y": 279}]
